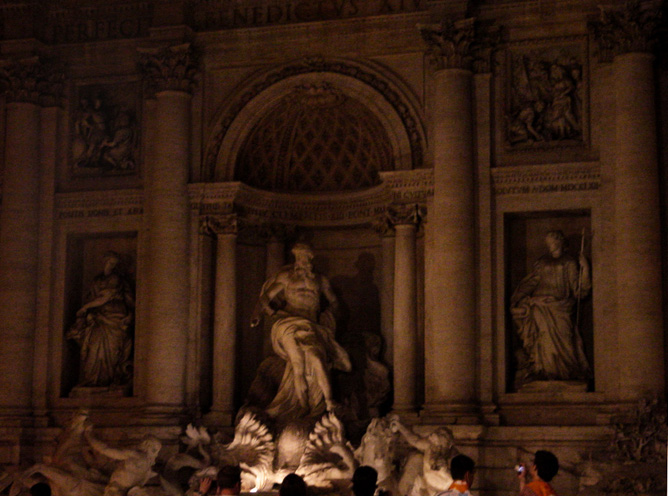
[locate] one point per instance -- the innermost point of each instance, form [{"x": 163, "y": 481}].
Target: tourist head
[
  {"x": 365, "y": 479},
  {"x": 546, "y": 465},
  {"x": 292, "y": 485},
  {"x": 462, "y": 468},
  {"x": 229, "y": 479}
]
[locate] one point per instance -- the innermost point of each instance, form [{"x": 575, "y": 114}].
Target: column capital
[
  {"x": 216, "y": 225},
  {"x": 383, "y": 226},
  {"x": 33, "y": 80},
  {"x": 460, "y": 44},
  {"x": 169, "y": 68},
  {"x": 406, "y": 214},
  {"x": 630, "y": 27}
]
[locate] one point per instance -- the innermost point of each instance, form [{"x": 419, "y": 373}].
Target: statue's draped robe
[
  {"x": 319, "y": 340},
  {"x": 543, "y": 313}
]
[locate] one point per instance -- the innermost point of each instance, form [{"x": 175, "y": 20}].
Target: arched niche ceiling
[{"x": 315, "y": 138}]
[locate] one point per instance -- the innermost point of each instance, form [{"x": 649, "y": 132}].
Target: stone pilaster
[
  {"x": 450, "y": 392},
  {"x": 405, "y": 219},
  {"x": 627, "y": 35},
  {"x": 386, "y": 232},
  {"x": 27, "y": 84},
  {"x": 225, "y": 318},
  {"x": 169, "y": 73}
]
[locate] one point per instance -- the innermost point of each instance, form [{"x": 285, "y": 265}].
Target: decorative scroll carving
[
  {"x": 383, "y": 226},
  {"x": 170, "y": 68},
  {"x": 460, "y": 44},
  {"x": 34, "y": 81},
  {"x": 631, "y": 27},
  {"x": 406, "y": 214},
  {"x": 215, "y": 225}
]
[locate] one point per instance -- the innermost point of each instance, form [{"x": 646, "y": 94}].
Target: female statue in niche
[
  {"x": 542, "y": 309},
  {"x": 103, "y": 329}
]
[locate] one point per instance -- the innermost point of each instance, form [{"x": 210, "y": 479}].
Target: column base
[
  {"x": 454, "y": 413},
  {"x": 164, "y": 415},
  {"x": 219, "y": 419}
]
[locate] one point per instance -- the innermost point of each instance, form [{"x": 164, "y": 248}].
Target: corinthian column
[
  {"x": 169, "y": 72},
  {"x": 19, "y": 220},
  {"x": 627, "y": 34},
  {"x": 28, "y": 84},
  {"x": 451, "y": 391},
  {"x": 405, "y": 219},
  {"x": 225, "y": 319}
]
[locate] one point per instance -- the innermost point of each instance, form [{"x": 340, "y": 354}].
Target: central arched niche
[{"x": 316, "y": 138}]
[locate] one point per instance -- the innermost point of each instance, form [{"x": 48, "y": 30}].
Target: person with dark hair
[
  {"x": 40, "y": 489},
  {"x": 543, "y": 469},
  {"x": 365, "y": 479},
  {"x": 292, "y": 485},
  {"x": 462, "y": 469},
  {"x": 228, "y": 481}
]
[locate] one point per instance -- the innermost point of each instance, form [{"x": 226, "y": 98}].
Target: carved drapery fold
[
  {"x": 171, "y": 68},
  {"x": 460, "y": 44},
  {"x": 631, "y": 27},
  {"x": 33, "y": 80}
]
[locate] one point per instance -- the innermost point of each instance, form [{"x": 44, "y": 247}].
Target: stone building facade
[{"x": 423, "y": 149}]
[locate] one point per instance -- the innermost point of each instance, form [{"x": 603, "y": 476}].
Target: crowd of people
[{"x": 534, "y": 479}]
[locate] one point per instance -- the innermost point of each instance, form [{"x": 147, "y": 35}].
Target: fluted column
[
  {"x": 450, "y": 391},
  {"x": 169, "y": 73},
  {"x": 405, "y": 219},
  {"x": 225, "y": 319},
  {"x": 628, "y": 34},
  {"x": 27, "y": 83}
]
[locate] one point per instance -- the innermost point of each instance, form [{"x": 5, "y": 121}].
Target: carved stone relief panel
[
  {"x": 99, "y": 315},
  {"x": 549, "y": 314},
  {"x": 105, "y": 130},
  {"x": 545, "y": 106}
]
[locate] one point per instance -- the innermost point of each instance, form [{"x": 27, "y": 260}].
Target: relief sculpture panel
[
  {"x": 105, "y": 130},
  {"x": 545, "y": 101}
]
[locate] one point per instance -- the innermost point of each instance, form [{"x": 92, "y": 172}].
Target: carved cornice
[
  {"x": 98, "y": 204},
  {"x": 460, "y": 45},
  {"x": 546, "y": 179},
  {"x": 277, "y": 214},
  {"x": 169, "y": 68},
  {"x": 631, "y": 27},
  {"x": 33, "y": 80},
  {"x": 215, "y": 225}
]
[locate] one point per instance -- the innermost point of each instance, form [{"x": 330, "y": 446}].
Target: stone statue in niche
[
  {"x": 542, "y": 308},
  {"x": 104, "y": 327},
  {"x": 105, "y": 136},
  {"x": 545, "y": 101},
  {"x": 426, "y": 471},
  {"x": 302, "y": 335}
]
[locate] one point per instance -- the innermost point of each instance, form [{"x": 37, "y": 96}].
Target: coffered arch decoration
[{"x": 390, "y": 133}]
